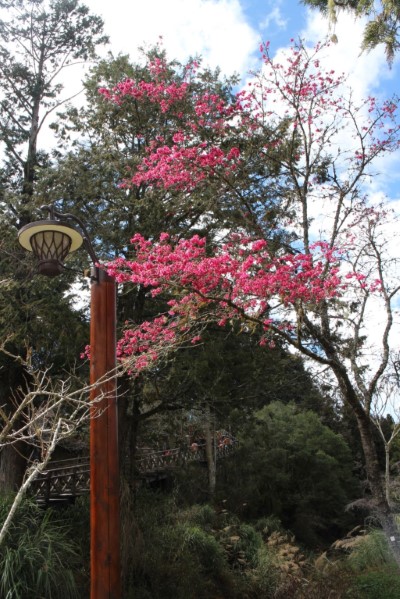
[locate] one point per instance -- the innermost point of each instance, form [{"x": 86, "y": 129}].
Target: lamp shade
[{"x": 51, "y": 241}]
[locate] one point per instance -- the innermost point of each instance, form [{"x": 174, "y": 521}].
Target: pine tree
[{"x": 39, "y": 40}]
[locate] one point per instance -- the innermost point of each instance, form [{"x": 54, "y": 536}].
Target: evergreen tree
[
  {"x": 39, "y": 39},
  {"x": 289, "y": 465}
]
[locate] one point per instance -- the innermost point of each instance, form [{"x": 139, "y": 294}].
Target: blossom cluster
[
  {"x": 241, "y": 278},
  {"x": 205, "y": 144},
  {"x": 183, "y": 168},
  {"x": 290, "y": 115}
]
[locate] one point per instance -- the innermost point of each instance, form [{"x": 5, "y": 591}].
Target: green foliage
[
  {"x": 39, "y": 557},
  {"x": 233, "y": 375},
  {"x": 329, "y": 5},
  {"x": 206, "y": 549},
  {"x": 175, "y": 557},
  {"x": 76, "y": 518},
  {"x": 291, "y": 466},
  {"x": 200, "y": 552},
  {"x": 370, "y": 569},
  {"x": 203, "y": 516},
  {"x": 38, "y": 39},
  {"x": 250, "y": 542},
  {"x": 378, "y": 585},
  {"x": 268, "y": 524},
  {"x": 268, "y": 576}
]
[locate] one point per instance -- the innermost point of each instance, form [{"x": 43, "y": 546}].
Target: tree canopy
[
  {"x": 295, "y": 468},
  {"x": 310, "y": 289}
]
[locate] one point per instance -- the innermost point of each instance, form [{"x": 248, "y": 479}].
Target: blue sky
[
  {"x": 227, "y": 33},
  {"x": 275, "y": 20},
  {"x": 223, "y": 31}
]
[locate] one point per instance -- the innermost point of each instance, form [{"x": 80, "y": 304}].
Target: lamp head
[{"x": 51, "y": 241}]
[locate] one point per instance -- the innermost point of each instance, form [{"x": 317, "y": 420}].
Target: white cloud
[
  {"x": 216, "y": 29},
  {"x": 274, "y": 18},
  {"x": 365, "y": 70}
]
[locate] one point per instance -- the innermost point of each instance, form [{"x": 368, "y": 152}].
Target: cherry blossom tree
[{"x": 309, "y": 259}]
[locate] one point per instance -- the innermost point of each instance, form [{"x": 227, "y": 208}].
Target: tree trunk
[
  {"x": 12, "y": 467},
  {"x": 364, "y": 425},
  {"x": 373, "y": 470},
  {"x": 210, "y": 453},
  {"x": 387, "y": 472},
  {"x": 380, "y": 507},
  {"x": 13, "y": 457}
]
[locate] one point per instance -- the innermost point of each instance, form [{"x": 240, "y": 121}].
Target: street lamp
[{"x": 51, "y": 241}]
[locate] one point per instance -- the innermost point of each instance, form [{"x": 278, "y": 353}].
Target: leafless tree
[{"x": 46, "y": 411}]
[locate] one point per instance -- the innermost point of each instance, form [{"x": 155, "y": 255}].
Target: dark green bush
[
  {"x": 205, "y": 548},
  {"x": 177, "y": 553},
  {"x": 202, "y": 515},
  {"x": 291, "y": 467}
]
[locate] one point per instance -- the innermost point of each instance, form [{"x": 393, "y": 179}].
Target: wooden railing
[
  {"x": 66, "y": 479},
  {"x": 62, "y": 480}
]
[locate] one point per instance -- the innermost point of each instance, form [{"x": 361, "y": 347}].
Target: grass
[{"x": 40, "y": 557}]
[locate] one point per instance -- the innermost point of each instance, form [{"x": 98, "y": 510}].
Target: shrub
[
  {"x": 38, "y": 557},
  {"x": 378, "y": 585},
  {"x": 177, "y": 555},
  {"x": 202, "y": 515},
  {"x": 371, "y": 552},
  {"x": 204, "y": 547}
]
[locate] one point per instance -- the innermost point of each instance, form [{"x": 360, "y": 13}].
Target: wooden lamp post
[{"x": 51, "y": 241}]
